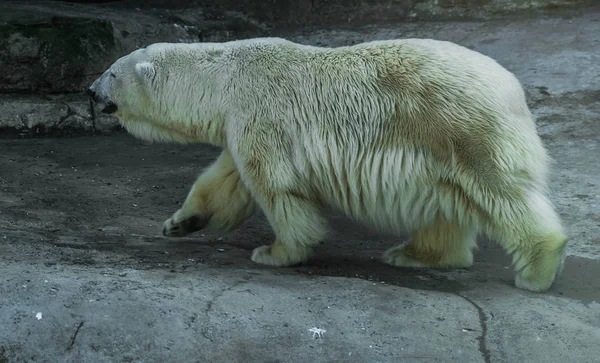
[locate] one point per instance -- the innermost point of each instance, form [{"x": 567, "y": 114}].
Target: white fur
[{"x": 406, "y": 135}]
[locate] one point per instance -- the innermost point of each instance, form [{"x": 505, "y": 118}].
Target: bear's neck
[
  {"x": 179, "y": 130},
  {"x": 209, "y": 129},
  {"x": 198, "y": 121}
]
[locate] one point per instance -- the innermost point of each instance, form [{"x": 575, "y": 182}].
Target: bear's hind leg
[
  {"x": 443, "y": 245},
  {"x": 218, "y": 199},
  {"x": 532, "y": 232}
]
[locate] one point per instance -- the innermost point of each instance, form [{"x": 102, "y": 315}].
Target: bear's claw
[
  {"x": 280, "y": 255},
  {"x": 184, "y": 227},
  {"x": 396, "y": 257}
]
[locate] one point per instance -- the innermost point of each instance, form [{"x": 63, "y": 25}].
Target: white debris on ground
[
  {"x": 38, "y": 316},
  {"x": 317, "y": 332}
]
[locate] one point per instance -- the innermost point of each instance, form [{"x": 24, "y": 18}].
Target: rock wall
[{"x": 50, "y": 51}]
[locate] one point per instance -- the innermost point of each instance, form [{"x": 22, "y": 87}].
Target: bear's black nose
[{"x": 91, "y": 93}]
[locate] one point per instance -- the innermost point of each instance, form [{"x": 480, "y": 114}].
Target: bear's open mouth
[{"x": 110, "y": 108}]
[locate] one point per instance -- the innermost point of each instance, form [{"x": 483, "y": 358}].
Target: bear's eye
[{"x": 113, "y": 75}]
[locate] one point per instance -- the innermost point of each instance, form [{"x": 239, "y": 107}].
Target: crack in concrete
[
  {"x": 75, "y": 336},
  {"x": 24, "y": 120},
  {"x": 93, "y": 114},
  {"x": 483, "y": 349},
  {"x": 220, "y": 293},
  {"x": 70, "y": 113}
]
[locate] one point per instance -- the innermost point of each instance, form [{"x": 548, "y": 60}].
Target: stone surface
[
  {"x": 59, "y": 48},
  {"x": 51, "y": 116},
  {"x": 55, "y": 54},
  {"x": 80, "y": 244},
  {"x": 339, "y": 12},
  {"x": 51, "y": 48}
]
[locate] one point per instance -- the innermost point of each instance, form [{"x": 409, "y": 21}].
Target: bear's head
[
  {"x": 125, "y": 85},
  {"x": 165, "y": 92}
]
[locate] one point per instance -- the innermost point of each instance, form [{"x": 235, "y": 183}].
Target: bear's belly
[{"x": 393, "y": 191}]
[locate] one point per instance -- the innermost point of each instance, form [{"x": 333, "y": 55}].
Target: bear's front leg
[
  {"x": 294, "y": 215},
  {"x": 298, "y": 225},
  {"x": 219, "y": 199}
]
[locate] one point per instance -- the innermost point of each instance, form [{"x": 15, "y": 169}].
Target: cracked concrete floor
[{"x": 86, "y": 277}]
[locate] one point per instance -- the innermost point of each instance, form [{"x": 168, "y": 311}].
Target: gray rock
[
  {"x": 61, "y": 114},
  {"x": 57, "y": 48},
  {"x": 294, "y": 13},
  {"x": 28, "y": 113},
  {"x": 106, "y": 124},
  {"x": 58, "y": 54}
]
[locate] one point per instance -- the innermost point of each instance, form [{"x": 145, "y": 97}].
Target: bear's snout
[{"x": 110, "y": 107}]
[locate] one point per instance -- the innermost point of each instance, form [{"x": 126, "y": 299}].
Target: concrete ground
[{"x": 85, "y": 275}]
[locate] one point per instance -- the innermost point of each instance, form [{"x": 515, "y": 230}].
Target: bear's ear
[{"x": 146, "y": 71}]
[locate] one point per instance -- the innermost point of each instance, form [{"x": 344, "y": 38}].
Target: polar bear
[{"x": 408, "y": 135}]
